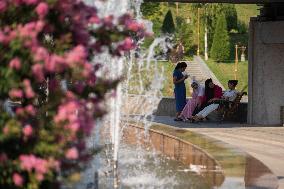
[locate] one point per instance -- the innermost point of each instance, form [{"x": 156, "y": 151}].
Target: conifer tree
[
  {"x": 220, "y": 50},
  {"x": 168, "y": 26}
]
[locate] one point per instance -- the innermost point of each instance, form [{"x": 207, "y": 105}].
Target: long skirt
[
  {"x": 189, "y": 108},
  {"x": 180, "y": 97}
]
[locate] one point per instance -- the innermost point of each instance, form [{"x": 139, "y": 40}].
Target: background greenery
[{"x": 185, "y": 21}]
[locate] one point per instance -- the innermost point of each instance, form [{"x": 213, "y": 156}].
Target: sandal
[
  {"x": 178, "y": 119},
  {"x": 191, "y": 120}
]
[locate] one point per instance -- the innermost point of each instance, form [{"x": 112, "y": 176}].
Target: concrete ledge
[{"x": 166, "y": 107}]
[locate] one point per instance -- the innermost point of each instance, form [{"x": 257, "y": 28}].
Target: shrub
[{"x": 48, "y": 46}]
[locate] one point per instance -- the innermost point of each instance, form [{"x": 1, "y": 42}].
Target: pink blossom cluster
[
  {"x": 15, "y": 63},
  {"x": 27, "y": 131},
  {"x": 131, "y": 24},
  {"x": 68, "y": 112},
  {"x": 27, "y": 91},
  {"x": 42, "y": 10},
  {"x": 75, "y": 115},
  {"x": 26, "y": 111},
  {"x": 72, "y": 153},
  {"x": 40, "y": 166},
  {"x": 126, "y": 45},
  {"x": 18, "y": 179},
  {"x": 27, "y": 32},
  {"x": 52, "y": 63},
  {"x": 16, "y": 93}
]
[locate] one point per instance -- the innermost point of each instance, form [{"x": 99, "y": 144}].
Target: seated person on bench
[{"x": 228, "y": 96}]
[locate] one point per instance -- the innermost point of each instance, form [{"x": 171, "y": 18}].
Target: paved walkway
[
  {"x": 263, "y": 143},
  {"x": 199, "y": 69}
]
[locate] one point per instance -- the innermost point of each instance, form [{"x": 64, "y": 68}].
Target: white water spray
[{"x": 140, "y": 91}]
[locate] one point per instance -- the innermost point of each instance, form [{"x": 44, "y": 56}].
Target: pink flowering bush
[{"x": 43, "y": 43}]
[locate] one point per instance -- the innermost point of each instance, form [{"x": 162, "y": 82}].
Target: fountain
[
  {"x": 145, "y": 158},
  {"x": 133, "y": 88}
]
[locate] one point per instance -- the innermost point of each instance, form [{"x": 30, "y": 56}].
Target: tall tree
[
  {"x": 220, "y": 50},
  {"x": 168, "y": 26},
  {"x": 208, "y": 20},
  {"x": 184, "y": 33},
  {"x": 231, "y": 16}
]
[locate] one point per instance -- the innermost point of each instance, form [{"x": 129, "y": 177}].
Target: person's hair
[
  {"x": 194, "y": 84},
  {"x": 180, "y": 65},
  {"x": 209, "y": 92},
  {"x": 233, "y": 82},
  {"x": 207, "y": 82}
]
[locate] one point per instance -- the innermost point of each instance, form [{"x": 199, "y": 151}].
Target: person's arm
[
  {"x": 175, "y": 81},
  {"x": 217, "y": 94}
]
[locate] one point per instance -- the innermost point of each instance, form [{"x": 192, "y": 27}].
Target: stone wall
[
  {"x": 192, "y": 156},
  {"x": 266, "y": 72}
]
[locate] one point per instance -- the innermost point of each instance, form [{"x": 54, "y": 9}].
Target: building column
[{"x": 266, "y": 71}]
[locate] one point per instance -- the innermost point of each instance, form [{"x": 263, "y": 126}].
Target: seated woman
[
  {"x": 229, "y": 95},
  {"x": 195, "y": 101},
  {"x": 212, "y": 92}
]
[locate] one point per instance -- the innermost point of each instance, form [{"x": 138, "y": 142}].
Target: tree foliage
[
  {"x": 168, "y": 26},
  {"x": 184, "y": 33},
  {"x": 220, "y": 50},
  {"x": 209, "y": 14},
  {"x": 149, "y": 9},
  {"x": 231, "y": 16}
]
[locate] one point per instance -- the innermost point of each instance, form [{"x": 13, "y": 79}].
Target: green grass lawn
[
  {"x": 142, "y": 76},
  {"x": 145, "y": 77},
  {"x": 246, "y": 11},
  {"x": 168, "y": 88},
  {"x": 225, "y": 72}
]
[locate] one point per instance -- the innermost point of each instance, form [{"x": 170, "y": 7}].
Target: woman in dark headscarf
[
  {"x": 179, "y": 90},
  {"x": 212, "y": 92}
]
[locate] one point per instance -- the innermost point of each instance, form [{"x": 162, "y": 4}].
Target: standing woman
[{"x": 180, "y": 91}]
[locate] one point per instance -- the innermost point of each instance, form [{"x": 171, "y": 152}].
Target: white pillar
[{"x": 205, "y": 44}]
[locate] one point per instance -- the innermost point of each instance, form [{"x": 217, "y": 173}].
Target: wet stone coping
[{"x": 219, "y": 163}]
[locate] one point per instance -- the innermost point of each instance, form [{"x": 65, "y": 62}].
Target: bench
[{"x": 230, "y": 110}]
